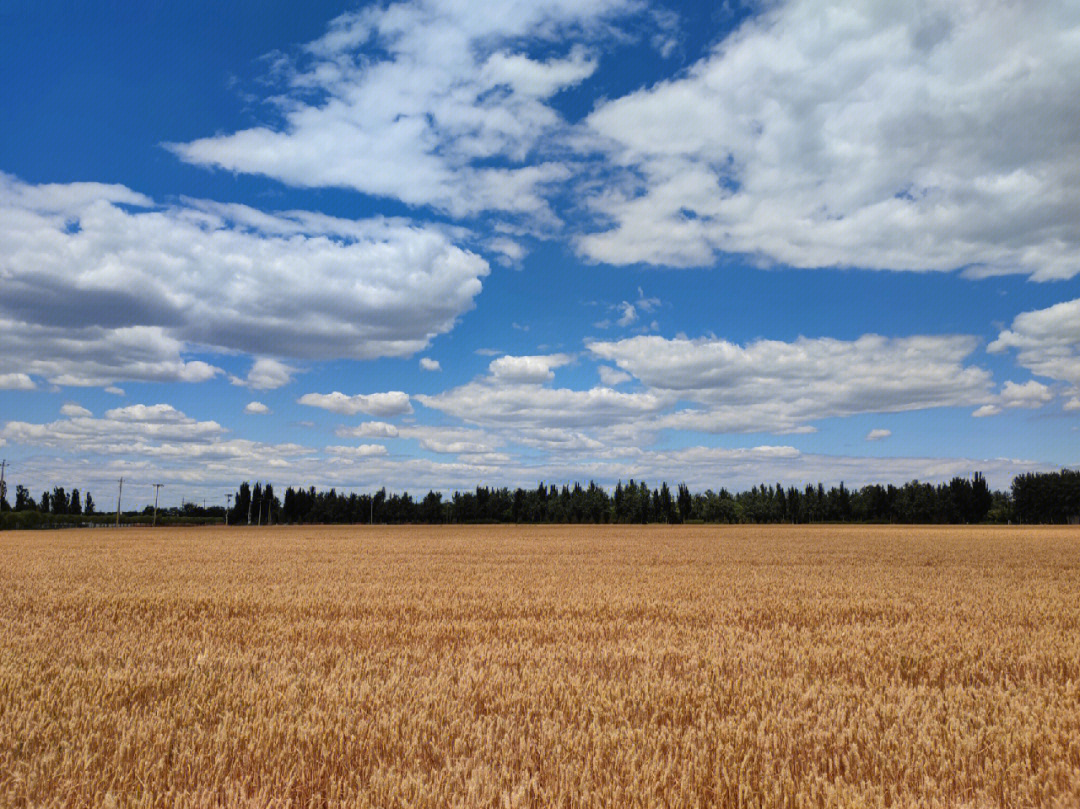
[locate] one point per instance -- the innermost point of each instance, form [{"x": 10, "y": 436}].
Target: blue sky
[{"x": 433, "y": 245}]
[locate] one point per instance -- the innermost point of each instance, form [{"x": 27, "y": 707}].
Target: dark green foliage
[
  {"x": 959, "y": 501},
  {"x": 1052, "y": 497},
  {"x": 1035, "y": 498}
]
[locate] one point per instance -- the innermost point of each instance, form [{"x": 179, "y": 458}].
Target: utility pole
[
  {"x": 228, "y": 507},
  {"x": 120, "y": 492},
  {"x": 259, "y": 524},
  {"x": 156, "y": 486},
  {"x": 249, "y": 510},
  {"x": 3, "y": 486}
]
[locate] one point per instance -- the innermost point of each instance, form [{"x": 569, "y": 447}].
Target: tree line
[
  {"x": 59, "y": 509},
  {"x": 1041, "y": 497},
  {"x": 58, "y": 501},
  {"x": 1035, "y": 498}
]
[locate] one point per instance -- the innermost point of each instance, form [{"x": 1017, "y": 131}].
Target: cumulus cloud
[
  {"x": 1030, "y": 394},
  {"x": 428, "y": 364},
  {"x": 930, "y": 136},
  {"x": 878, "y": 435},
  {"x": 611, "y": 377},
  {"x": 149, "y": 414},
  {"x": 779, "y": 386},
  {"x": 1072, "y": 405},
  {"x": 266, "y": 374},
  {"x": 1046, "y": 341},
  {"x": 442, "y": 440},
  {"x": 391, "y": 403},
  {"x": 101, "y": 285},
  {"x": 530, "y": 369},
  {"x": 433, "y": 103},
  {"x": 370, "y": 429},
  {"x": 257, "y": 409},
  {"x": 361, "y": 451},
  {"x": 71, "y": 409},
  {"x": 135, "y": 429},
  {"x": 529, "y": 405},
  {"x": 16, "y": 381}
]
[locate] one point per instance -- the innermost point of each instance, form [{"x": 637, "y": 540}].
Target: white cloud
[
  {"x": 442, "y": 440},
  {"x": 611, "y": 377},
  {"x": 646, "y": 303},
  {"x": 1031, "y": 394},
  {"x": 878, "y": 435},
  {"x": 511, "y": 252},
  {"x": 714, "y": 467},
  {"x": 391, "y": 403},
  {"x": 266, "y": 374},
  {"x": 928, "y": 136},
  {"x": 428, "y": 364},
  {"x": 530, "y": 405},
  {"x": 71, "y": 409},
  {"x": 196, "y": 458},
  {"x": 370, "y": 429},
  {"x": 147, "y": 443},
  {"x": 149, "y": 414},
  {"x": 256, "y": 408},
  {"x": 1072, "y": 405},
  {"x": 16, "y": 381},
  {"x": 94, "y": 355},
  {"x": 628, "y": 314},
  {"x": 99, "y": 285},
  {"x": 531, "y": 369},
  {"x": 777, "y": 386},
  {"x": 433, "y": 103},
  {"x": 1047, "y": 341},
  {"x": 361, "y": 451},
  {"x": 137, "y": 429}
]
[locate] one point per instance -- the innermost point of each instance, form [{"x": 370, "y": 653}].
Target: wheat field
[{"x": 692, "y": 666}]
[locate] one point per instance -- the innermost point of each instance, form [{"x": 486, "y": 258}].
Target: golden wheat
[{"x": 547, "y": 666}]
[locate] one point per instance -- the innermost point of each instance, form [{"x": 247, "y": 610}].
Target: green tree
[
  {"x": 59, "y": 501},
  {"x": 239, "y": 513}
]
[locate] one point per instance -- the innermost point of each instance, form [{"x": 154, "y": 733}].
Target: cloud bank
[{"x": 102, "y": 285}]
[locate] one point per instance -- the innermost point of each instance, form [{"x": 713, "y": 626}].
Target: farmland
[{"x": 620, "y": 666}]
